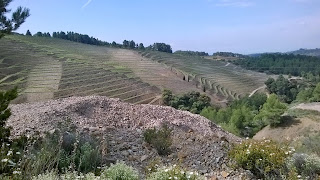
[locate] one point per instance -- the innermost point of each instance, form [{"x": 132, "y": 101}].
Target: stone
[
  {"x": 144, "y": 157},
  {"x": 224, "y": 174}
]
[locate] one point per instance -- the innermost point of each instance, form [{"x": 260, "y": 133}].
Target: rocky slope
[{"x": 198, "y": 144}]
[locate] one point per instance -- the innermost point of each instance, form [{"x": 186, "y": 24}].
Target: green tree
[
  {"x": 18, "y": 17},
  {"x": 271, "y": 112},
  {"x": 316, "y": 93},
  {"x": 28, "y": 33},
  {"x": 241, "y": 119},
  {"x": 5, "y": 98},
  {"x": 141, "y": 46}
]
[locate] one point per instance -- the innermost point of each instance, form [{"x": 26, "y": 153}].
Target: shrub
[
  {"x": 173, "y": 172},
  {"x": 120, "y": 171},
  {"x": 67, "y": 176},
  {"x": 265, "y": 159},
  {"x": 310, "y": 144},
  {"x": 305, "y": 165},
  {"x": 159, "y": 139},
  {"x": 61, "y": 151}
]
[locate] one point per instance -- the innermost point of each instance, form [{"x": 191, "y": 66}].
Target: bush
[
  {"x": 61, "y": 151},
  {"x": 67, "y": 176},
  {"x": 159, "y": 139},
  {"x": 265, "y": 159},
  {"x": 120, "y": 171},
  {"x": 305, "y": 165},
  {"x": 174, "y": 172}
]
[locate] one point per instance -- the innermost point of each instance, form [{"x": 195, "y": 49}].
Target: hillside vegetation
[
  {"x": 307, "y": 52},
  {"x": 222, "y": 79}
]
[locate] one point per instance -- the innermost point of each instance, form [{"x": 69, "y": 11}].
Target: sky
[{"x": 240, "y": 26}]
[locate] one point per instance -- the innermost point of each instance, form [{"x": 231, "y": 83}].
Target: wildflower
[
  {"x": 298, "y": 176},
  {"x": 166, "y": 170},
  {"x": 174, "y": 165},
  {"x": 182, "y": 172},
  {"x": 247, "y": 138},
  {"x": 4, "y": 160},
  {"x": 191, "y": 173},
  {"x": 9, "y": 153},
  {"x": 16, "y": 172},
  {"x": 188, "y": 177},
  {"x": 170, "y": 177},
  {"x": 18, "y": 153},
  {"x": 175, "y": 177}
]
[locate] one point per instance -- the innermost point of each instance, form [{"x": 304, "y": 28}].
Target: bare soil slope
[{"x": 198, "y": 144}]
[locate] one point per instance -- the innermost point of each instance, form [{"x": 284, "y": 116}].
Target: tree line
[
  {"x": 86, "y": 39},
  {"x": 191, "y": 53},
  {"x": 278, "y": 63},
  {"x": 228, "y": 54}
]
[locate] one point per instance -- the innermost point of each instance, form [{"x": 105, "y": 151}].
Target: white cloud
[
  {"x": 86, "y": 4},
  {"x": 234, "y": 3}
]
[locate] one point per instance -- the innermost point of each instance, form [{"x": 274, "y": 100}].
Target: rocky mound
[{"x": 198, "y": 144}]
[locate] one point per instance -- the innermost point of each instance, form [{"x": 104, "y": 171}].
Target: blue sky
[{"x": 242, "y": 26}]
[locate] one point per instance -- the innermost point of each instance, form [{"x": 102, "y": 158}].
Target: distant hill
[{"x": 308, "y": 52}]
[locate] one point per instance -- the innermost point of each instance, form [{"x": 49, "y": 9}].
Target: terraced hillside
[
  {"x": 44, "y": 68},
  {"x": 220, "y": 78},
  {"x": 50, "y": 68}
]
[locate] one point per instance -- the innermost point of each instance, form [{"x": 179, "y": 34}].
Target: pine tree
[
  {"x": 28, "y": 33},
  {"x": 18, "y": 17},
  {"x": 272, "y": 110},
  {"x": 5, "y": 98}
]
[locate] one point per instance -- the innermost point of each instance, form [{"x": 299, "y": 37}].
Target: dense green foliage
[
  {"x": 192, "y": 101},
  {"x": 86, "y": 39},
  {"x": 247, "y": 116},
  {"x": 18, "y": 17},
  {"x": 40, "y": 34},
  {"x": 191, "y": 53},
  {"x": 162, "y": 47},
  {"x": 307, "y": 52},
  {"x": 286, "y": 90},
  {"x": 278, "y": 63},
  {"x": 159, "y": 139},
  {"x": 265, "y": 159},
  {"x": 120, "y": 171},
  {"x": 228, "y": 54},
  {"x": 271, "y": 112},
  {"x": 81, "y": 38}
]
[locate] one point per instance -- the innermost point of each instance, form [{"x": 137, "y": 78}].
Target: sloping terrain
[
  {"x": 136, "y": 77},
  {"x": 219, "y": 78},
  {"x": 47, "y": 68},
  {"x": 308, "y": 52},
  {"x": 198, "y": 144}
]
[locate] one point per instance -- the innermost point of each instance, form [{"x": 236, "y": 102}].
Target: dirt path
[
  {"x": 43, "y": 81},
  {"x": 308, "y": 106},
  {"x": 256, "y": 90}
]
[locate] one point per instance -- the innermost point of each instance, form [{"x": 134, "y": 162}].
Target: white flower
[
  {"x": 170, "y": 177},
  {"x": 9, "y": 153},
  {"x": 16, "y": 172},
  {"x": 174, "y": 165},
  {"x": 188, "y": 176},
  {"x": 191, "y": 173},
  {"x": 166, "y": 170},
  {"x": 182, "y": 172},
  {"x": 4, "y": 160},
  {"x": 175, "y": 177},
  {"x": 298, "y": 176},
  {"x": 247, "y": 138},
  {"x": 18, "y": 153}
]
